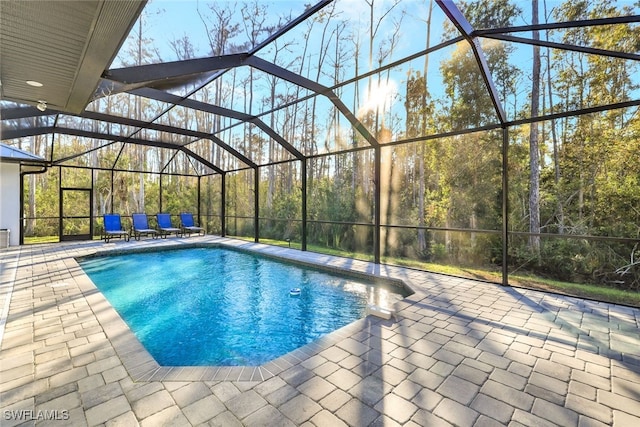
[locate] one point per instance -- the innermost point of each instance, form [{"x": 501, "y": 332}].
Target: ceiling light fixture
[
  {"x": 34, "y": 83},
  {"x": 42, "y": 105}
]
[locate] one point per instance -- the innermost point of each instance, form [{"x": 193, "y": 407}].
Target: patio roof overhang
[{"x": 64, "y": 46}]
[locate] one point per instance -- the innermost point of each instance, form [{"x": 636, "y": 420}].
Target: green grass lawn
[
  {"x": 46, "y": 239},
  {"x": 590, "y": 291},
  {"x": 41, "y": 239}
]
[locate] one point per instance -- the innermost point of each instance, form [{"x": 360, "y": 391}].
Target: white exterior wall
[{"x": 10, "y": 200}]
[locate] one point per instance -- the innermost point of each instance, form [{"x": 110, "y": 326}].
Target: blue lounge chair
[
  {"x": 188, "y": 226},
  {"x": 113, "y": 228},
  {"x": 165, "y": 227},
  {"x": 141, "y": 226}
]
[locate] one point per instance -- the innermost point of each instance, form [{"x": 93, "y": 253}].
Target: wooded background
[{"x": 573, "y": 181}]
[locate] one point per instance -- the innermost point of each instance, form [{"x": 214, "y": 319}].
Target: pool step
[{"x": 381, "y": 312}]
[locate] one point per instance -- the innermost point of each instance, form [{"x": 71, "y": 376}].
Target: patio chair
[
  {"x": 141, "y": 226},
  {"x": 113, "y": 228},
  {"x": 188, "y": 226},
  {"x": 165, "y": 227}
]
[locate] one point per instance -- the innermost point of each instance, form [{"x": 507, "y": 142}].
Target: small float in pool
[{"x": 294, "y": 292}]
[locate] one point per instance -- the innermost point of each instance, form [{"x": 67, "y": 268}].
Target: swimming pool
[{"x": 218, "y": 306}]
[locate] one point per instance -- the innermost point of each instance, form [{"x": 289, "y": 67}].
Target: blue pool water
[{"x": 215, "y": 306}]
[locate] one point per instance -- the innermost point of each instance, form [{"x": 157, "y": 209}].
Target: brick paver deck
[{"x": 458, "y": 352}]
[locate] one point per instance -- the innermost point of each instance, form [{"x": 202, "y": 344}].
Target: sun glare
[{"x": 379, "y": 97}]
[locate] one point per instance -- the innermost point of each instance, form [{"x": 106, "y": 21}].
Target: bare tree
[
  {"x": 534, "y": 151},
  {"x": 422, "y": 242},
  {"x": 554, "y": 136}
]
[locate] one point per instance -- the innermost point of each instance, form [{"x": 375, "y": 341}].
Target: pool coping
[
  {"x": 142, "y": 366},
  {"x": 377, "y": 279}
]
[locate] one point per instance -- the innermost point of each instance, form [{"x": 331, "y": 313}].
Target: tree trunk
[
  {"x": 422, "y": 238},
  {"x": 554, "y": 138},
  {"x": 534, "y": 152}
]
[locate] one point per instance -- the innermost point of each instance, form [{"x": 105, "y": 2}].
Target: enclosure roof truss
[
  {"x": 147, "y": 76},
  {"x": 154, "y": 82}
]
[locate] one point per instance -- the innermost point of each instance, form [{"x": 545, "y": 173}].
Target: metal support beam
[
  {"x": 244, "y": 159},
  {"x": 377, "y": 208},
  {"x": 223, "y": 205},
  {"x": 22, "y": 175},
  {"x": 200, "y": 159},
  {"x": 116, "y": 138},
  {"x": 564, "y": 46},
  {"x": 169, "y": 98},
  {"x": 303, "y": 178},
  {"x": 309, "y": 11},
  {"x": 316, "y": 87},
  {"x": 505, "y": 206},
  {"x": 165, "y": 128},
  {"x": 466, "y": 30},
  {"x": 149, "y": 74},
  {"x": 199, "y": 200},
  {"x": 21, "y": 212},
  {"x": 160, "y": 197},
  {"x": 168, "y": 162},
  {"x": 60, "y": 205},
  {"x": 631, "y": 19},
  {"x": 8, "y": 134},
  {"x": 91, "y": 212},
  {"x": 24, "y": 112},
  {"x": 201, "y": 106},
  {"x": 256, "y": 204},
  {"x": 276, "y": 137},
  {"x": 112, "y": 192}
]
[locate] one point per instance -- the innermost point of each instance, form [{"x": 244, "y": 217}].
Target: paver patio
[{"x": 458, "y": 352}]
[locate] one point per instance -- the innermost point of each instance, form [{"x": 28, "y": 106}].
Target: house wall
[{"x": 10, "y": 200}]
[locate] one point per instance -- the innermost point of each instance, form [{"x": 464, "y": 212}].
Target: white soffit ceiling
[{"x": 64, "y": 45}]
